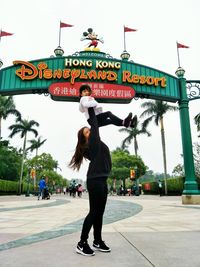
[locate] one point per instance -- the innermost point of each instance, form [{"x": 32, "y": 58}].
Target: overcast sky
[{"x": 160, "y": 24}]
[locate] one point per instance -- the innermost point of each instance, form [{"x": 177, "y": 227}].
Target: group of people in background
[
  {"x": 75, "y": 188},
  {"x": 135, "y": 190}
]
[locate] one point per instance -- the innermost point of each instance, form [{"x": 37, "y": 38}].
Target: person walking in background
[
  {"x": 73, "y": 188},
  {"x": 64, "y": 190},
  {"x": 103, "y": 118},
  {"x": 121, "y": 190},
  {"x": 90, "y": 146},
  {"x": 42, "y": 185},
  {"x": 80, "y": 190},
  {"x": 160, "y": 187}
]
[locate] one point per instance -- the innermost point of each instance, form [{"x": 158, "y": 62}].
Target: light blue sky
[{"x": 160, "y": 24}]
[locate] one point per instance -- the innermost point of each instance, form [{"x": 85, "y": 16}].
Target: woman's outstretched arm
[{"x": 94, "y": 139}]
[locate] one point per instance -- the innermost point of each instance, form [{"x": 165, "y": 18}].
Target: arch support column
[{"x": 191, "y": 194}]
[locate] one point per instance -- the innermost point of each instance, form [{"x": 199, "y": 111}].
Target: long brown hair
[{"x": 77, "y": 158}]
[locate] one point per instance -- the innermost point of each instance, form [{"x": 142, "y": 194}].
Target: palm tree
[
  {"x": 56, "y": 166},
  {"x": 132, "y": 135},
  {"x": 23, "y": 127},
  {"x": 197, "y": 121},
  {"x": 35, "y": 144},
  {"x": 156, "y": 110},
  {"x": 7, "y": 107}
]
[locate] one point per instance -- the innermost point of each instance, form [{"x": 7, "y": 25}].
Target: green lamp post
[{"x": 191, "y": 194}]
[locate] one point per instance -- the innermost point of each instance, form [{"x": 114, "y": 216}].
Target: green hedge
[
  {"x": 11, "y": 187},
  {"x": 174, "y": 186},
  {"x": 8, "y": 186}
]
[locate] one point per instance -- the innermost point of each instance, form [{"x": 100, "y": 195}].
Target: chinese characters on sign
[
  {"x": 64, "y": 91},
  {"x": 100, "y": 90}
]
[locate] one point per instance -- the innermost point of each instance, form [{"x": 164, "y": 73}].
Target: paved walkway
[{"x": 142, "y": 231}]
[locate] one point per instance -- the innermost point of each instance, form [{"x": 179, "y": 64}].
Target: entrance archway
[{"x": 112, "y": 81}]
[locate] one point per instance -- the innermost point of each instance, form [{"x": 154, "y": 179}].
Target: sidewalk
[{"x": 142, "y": 231}]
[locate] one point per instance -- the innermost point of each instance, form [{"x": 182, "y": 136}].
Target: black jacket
[{"x": 97, "y": 152}]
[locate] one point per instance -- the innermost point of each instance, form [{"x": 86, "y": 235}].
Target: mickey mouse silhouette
[{"x": 90, "y": 35}]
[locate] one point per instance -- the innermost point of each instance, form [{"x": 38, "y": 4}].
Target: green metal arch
[{"x": 11, "y": 84}]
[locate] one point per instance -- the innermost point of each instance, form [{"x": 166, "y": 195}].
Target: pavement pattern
[{"x": 142, "y": 231}]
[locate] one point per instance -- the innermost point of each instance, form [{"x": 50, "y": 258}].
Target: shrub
[
  {"x": 174, "y": 186},
  {"x": 12, "y": 188}
]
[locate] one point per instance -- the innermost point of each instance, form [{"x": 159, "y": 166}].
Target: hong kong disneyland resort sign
[{"x": 112, "y": 80}]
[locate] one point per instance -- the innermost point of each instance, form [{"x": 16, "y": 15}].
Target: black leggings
[
  {"x": 97, "y": 190},
  {"x": 107, "y": 118}
]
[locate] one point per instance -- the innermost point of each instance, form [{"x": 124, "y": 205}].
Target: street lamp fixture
[
  {"x": 180, "y": 72},
  {"x": 125, "y": 55},
  {"x": 59, "y": 51}
]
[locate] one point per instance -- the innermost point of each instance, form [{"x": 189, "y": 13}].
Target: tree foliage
[
  {"x": 197, "y": 159},
  {"x": 155, "y": 111},
  {"x": 35, "y": 144},
  {"x": 54, "y": 178},
  {"x": 122, "y": 162},
  {"x": 197, "y": 122},
  {"x": 132, "y": 134},
  {"x": 178, "y": 171},
  {"x": 7, "y": 107},
  {"x": 46, "y": 166},
  {"x": 42, "y": 162},
  {"x": 10, "y": 162},
  {"x": 23, "y": 127}
]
